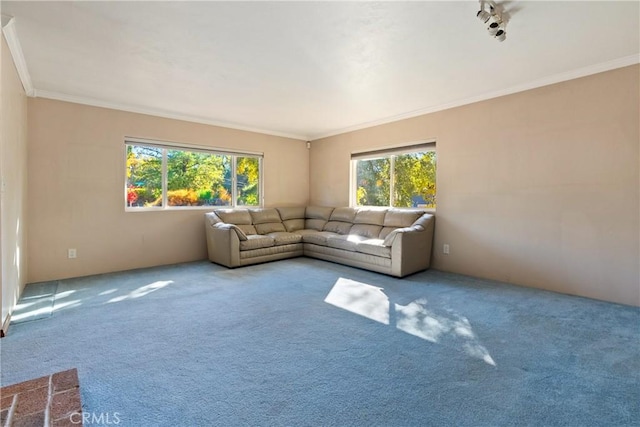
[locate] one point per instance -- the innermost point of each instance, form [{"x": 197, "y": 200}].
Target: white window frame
[
  {"x": 390, "y": 151},
  {"x": 165, "y": 146}
]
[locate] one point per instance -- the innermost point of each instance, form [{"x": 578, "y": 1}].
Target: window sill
[{"x": 185, "y": 208}]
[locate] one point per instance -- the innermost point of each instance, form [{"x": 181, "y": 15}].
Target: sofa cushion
[
  {"x": 337, "y": 227},
  {"x": 257, "y": 241},
  {"x": 284, "y": 250},
  {"x": 306, "y": 231},
  {"x": 269, "y": 227},
  {"x": 370, "y": 216},
  {"x": 293, "y": 224},
  {"x": 263, "y": 216},
  {"x": 343, "y": 215},
  {"x": 347, "y": 243},
  {"x": 318, "y": 237},
  {"x": 355, "y": 258},
  {"x": 291, "y": 212},
  {"x": 374, "y": 247},
  {"x": 367, "y": 230},
  {"x": 285, "y": 238},
  {"x": 401, "y": 217},
  {"x": 247, "y": 229},
  {"x": 318, "y": 212},
  {"x": 314, "y": 224},
  {"x": 234, "y": 216}
]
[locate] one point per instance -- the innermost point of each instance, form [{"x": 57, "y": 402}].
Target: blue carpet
[{"x": 305, "y": 342}]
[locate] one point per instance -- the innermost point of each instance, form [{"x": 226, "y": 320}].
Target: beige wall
[
  {"x": 76, "y": 189},
  {"x": 13, "y": 193},
  {"x": 539, "y": 188}
]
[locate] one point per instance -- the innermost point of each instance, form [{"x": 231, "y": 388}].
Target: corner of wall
[{"x": 13, "y": 177}]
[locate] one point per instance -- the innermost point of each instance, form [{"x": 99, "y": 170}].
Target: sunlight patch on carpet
[
  {"x": 414, "y": 318},
  {"x": 360, "y": 298},
  {"x": 142, "y": 291}
]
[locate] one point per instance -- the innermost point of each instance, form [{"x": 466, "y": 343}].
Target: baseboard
[{"x": 5, "y": 326}]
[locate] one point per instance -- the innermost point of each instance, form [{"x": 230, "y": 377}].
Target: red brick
[
  {"x": 65, "y": 403},
  {"x": 6, "y": 401},
  {"x": 65, "y": 380},
  {"x": 31, "y": 420},
  {"x": 25, "y": 386},
  {"x": 32, "y": 401}
]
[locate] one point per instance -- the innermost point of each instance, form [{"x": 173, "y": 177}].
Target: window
[
  {"x": 399, "y": 177},
  {"x": 161, "y": 177}
]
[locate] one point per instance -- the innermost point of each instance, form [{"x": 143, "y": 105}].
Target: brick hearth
[{"x": 53, "y": 400}]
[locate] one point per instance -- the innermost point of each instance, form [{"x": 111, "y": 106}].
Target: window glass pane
[
  {"x": 372, "y": 182},
  {"x": 190, "y": 177},
  {"x": 197, "y": 179},
  {"x": 415, "y": 180},
  {"x": 144, "y": 176},
  {"x": 248, "y": 181}
]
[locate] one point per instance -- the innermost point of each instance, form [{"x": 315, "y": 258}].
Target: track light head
[
  {"x": 483, "y": 15},
  {"x": 493, "y": 28},
  {"x": 493, "y": 18}
]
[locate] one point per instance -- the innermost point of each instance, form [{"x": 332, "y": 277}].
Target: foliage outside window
[
  {"x": 166, "y": 177},
  {"x": 394, "y": 178}
]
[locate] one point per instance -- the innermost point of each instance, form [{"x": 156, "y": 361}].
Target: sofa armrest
[
  {"x": 212, "y": 218},
  {"x": 225, "y": 226},
  {"x": 223, "y": 243},
  {"x": 411, "y": 247},
  {"x": 391, "y": 237}
]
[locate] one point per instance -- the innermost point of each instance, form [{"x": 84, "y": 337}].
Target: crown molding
[
  {"x": 57, "y": 96},
  {"x": 11, "y": 36},
  {"x": 557, "y": 78}
]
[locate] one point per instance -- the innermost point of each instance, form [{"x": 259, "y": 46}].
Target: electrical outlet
[
  {"x": 72, "y": 253},
  {"x": 445, "y": 249}
]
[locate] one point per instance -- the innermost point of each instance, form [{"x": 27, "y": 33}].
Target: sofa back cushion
[
  {"x": 423, "y": 222},
  {"x": 264, "y": 215},
  {"x": 343, "y": 215},
  {"x": 340, "y": 221},
  {"x": 287, "y": 213},
  {"x": 270, "y": 227},
  {"x": 401, "y": 217},
  {"x": 314, "y": 224},
  {"x": 374, "y": 216},
  {"x": 240, "y": 217},
  {"x": 292, "y": 217},
  {"x": 339, "y": 227},
  {"x": 318, "y": 212},
  {"x": 234, "y": 216},
  {"x": 266, "y": 220},
  {"x": 369, "y": 231},
  {"x": 316, "y": 217},
  {"x": 368, "y": 222},
  {"x": 294, "y": 224}
]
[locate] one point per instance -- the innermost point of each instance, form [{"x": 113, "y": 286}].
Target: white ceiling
[{"x": 310, "y": 69}]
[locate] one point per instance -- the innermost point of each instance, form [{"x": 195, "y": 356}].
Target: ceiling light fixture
[{"x": 494, "y": 18}]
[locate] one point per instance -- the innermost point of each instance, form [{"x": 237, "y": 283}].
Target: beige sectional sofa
[{"x": 386, "y": 240}]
